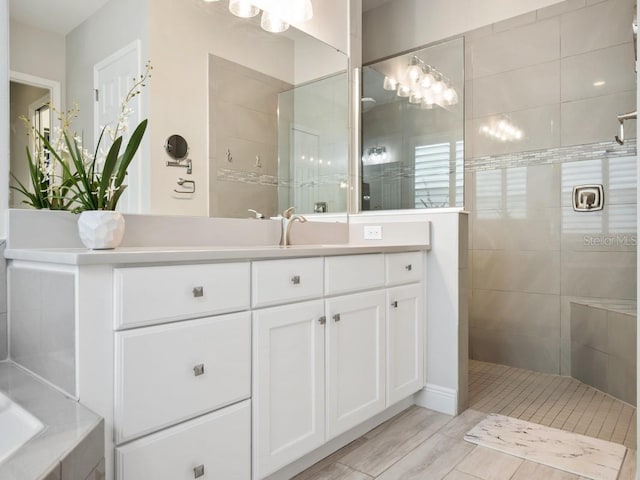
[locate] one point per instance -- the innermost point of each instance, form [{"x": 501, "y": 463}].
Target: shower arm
[{"x": 621, "y": 120}]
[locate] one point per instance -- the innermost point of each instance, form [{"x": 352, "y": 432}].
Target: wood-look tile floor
[{"x": 427, "y": 445}]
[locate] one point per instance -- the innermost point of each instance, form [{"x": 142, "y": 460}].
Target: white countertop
[{"x": 137, "y": 255}]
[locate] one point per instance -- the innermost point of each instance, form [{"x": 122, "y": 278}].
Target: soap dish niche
[{"x": 588, "y": 198}]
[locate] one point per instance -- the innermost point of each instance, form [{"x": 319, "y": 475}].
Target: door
[
  {"x": 288, "y": 384},
  {"x": 113, "y": 77},
  {"x": 405, "y": 342},
  {"x": 356, "y": 359}
]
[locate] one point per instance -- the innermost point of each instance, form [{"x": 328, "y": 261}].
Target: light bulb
[
  {"x": 414, "y": 74},
  {"x": 439, "y": 86},
  {"x": 243, "y": 8},
  {"x": 427, "y": 77},
  {"x": 415, "y": 97},
  {"x": 389, "y": 83},
  {"x": 403, "y": 91},
  {"x": 271, "y": 23},
  {"x": 450, "y": 96}
]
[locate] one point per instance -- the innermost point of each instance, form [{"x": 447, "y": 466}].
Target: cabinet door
[
  {"x": 356, "y": 360},
  {"x": 405, "y": 342},
  {"x": 288, "y": 384}
]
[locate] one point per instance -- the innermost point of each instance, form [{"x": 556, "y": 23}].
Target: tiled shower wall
[{"x": 561, "y": 74}]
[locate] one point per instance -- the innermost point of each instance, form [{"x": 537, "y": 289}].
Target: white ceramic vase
[{"x": 101, "y": 229}]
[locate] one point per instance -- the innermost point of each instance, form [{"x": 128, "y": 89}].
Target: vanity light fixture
[
  {"x": 243, "y": 8},
  {"x": 276, "y": 14},
  {"x": 376, "y": 155}
]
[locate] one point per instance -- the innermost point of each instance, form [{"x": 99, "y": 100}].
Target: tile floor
[{"x": 426, "y": 445}]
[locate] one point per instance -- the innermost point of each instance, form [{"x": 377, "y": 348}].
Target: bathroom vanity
[{"x": 235, "y": 362}]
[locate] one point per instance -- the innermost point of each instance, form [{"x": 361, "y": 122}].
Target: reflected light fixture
[
  {"x": 376, "y": 155},
  {"x": 271, "y": 23},
  {"x": 423, "y": 85},
  {"x": 502, "y": 130}
]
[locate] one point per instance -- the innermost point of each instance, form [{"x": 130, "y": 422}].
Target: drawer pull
[
  {"x": 198, "y": 370},
  {"x": 336, "y": 317},
  {"x": 295, "y": 279},
  {"x": 198, "y": 471},
  {"x": 394, "y": 304},
  {"x": 322, "y": 320},
  {"x": 408, "y": 267},
  {"x": 198, "y": 292}
]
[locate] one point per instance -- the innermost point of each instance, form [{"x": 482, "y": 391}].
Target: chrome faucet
[{"x": 288, "y": 218}]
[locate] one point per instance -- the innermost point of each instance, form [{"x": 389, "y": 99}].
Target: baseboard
[{"x": 440, "y": 399}]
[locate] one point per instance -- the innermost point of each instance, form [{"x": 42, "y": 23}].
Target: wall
[
  {"x": 406, "y": 24},
  {"x": 531, "y": 254},
  {"x": 21, "y": 97}
]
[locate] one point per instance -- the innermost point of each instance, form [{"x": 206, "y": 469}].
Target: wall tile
[
  {"x": 539, "y": 230},
  {"x": 612, "y": 65},
  {"x": 621, "y": 337},
  {"x": 515, "y": 22},
  {"x": 589, "y": 327},
  {"x": 535, "y": 353},
  {"x": 559, "y": 8},
  {"x": 540, "y": 127},
  {"x": 580, "y": 124},
  {"x": 621, "y": 379},
  {"x": 608, "y": 24},
  {"x": 520, "y": 89},
  {"x": 516, "y": 313},
  {"x": 537, "y": 43},
  {"x": 529, "y": 272},
  {"x": 42, "y": 333},
  {"x": 589, "y": 366},
  {"x": 583, "y": 274}
]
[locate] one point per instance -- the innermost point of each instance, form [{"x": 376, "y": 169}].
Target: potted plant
[{"x": 66, "y": 176}]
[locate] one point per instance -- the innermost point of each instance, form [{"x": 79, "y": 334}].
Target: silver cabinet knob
[
  {"x": 295, "y": 279},
  {"x": 408, "y": 267},
  {"x": 394, "y": 304},
  {"x": 198, "y": 292},
  {"x": 322, "y": 320},
  {"x": 336, "y": 317},
  {"x": 198, "y": 471},
  {"x": 198, "y": 370}
]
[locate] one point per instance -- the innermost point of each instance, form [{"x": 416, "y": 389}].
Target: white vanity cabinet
[
  {"x": 324, "y": 366},
  {"x": 288, "y": 384},
  {"x": 182, "y": 372},
  {"x": 356, "y": 359}
]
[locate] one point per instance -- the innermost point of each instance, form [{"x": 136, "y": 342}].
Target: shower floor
[
  {"x": 422, "y": 444},
  {"x": 551, "y": 400}
]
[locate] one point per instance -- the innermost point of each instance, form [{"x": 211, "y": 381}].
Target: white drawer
[
  {"x": 352, "y": 273},
  {"x": 148, "y": 295},
  {"x": 158, "y": 382},
  {"x": 404, "y": 268},
  {"x": 219, "y": 442},
  {"x": 285, "y": 281}
]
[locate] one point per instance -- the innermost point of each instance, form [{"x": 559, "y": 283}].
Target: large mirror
[
  {"x": 265, "y": 115},
  {"x": 413, "y": 129}
]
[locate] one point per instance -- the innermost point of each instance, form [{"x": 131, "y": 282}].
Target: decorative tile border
[
  {"x": 241, "y": 176},
  {"x": 574, "y": 153}
]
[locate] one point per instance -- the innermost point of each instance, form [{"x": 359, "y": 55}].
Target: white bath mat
[{"x": 573, "y": 453}]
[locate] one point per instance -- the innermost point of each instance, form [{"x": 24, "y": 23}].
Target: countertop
[
  {"x": 137, "y": 255},
  {"x": 67, "y": 425}
]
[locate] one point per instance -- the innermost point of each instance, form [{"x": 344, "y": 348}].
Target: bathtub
[{"x": 17, "y": 427}]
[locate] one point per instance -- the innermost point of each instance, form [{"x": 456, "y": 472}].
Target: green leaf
[{"x": 130, "y": 152}]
